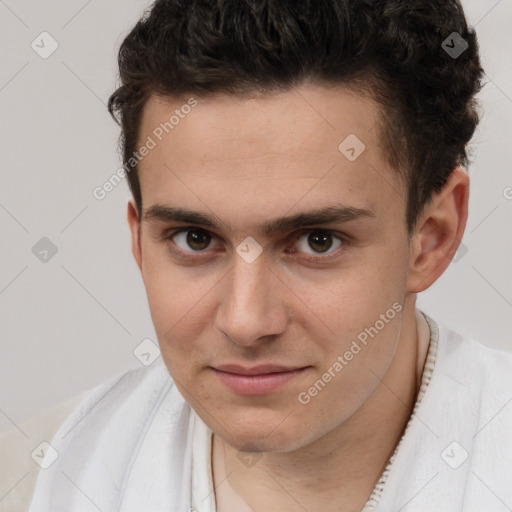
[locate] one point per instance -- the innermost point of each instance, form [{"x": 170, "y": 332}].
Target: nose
[{"x": 252, "y": 307}]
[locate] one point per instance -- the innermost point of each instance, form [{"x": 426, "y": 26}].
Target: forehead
[
  {"x": 308, "y": 145},
  {"x": 304, "y": 118}
]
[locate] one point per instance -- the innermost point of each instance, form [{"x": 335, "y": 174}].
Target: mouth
[{"x": 258, "y": 380}]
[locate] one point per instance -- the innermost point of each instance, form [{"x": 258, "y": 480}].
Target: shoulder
[
  {"x": 19, "y": 452},
  {"x": 489, "y": 359},
  {"x": 21, "y": 448},
  {"x": 482, "y": 368}
]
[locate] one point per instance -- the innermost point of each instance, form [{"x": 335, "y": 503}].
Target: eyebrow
[{"x": 326, "y": 215}]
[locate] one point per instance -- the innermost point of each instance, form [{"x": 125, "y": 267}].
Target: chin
[{"x": 274, "y": 436}]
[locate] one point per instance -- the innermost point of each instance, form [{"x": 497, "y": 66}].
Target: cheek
[
  {"x": 174, "y": 292},
  {"x": 340, "y": 304},
  {"x": 358, "y": 317},
  {"x": 179, "y": 308},
  {"x": 353, "y": 363}
]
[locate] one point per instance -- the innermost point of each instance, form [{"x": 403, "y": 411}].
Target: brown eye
[
  {"x": 320, "y": 242},
  {"x": 192, "y": 240},
  {"x": 317, "y": 242},
  {"x": 198, "y": 240}
]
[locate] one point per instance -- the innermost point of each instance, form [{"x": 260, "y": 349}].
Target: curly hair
[{"x": 390, "y": 50}]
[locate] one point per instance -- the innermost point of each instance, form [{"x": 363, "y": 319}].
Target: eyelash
[{"x": 168, "y": 238}]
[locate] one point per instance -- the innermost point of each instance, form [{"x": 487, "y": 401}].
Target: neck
[{"x": 339, "y": 470}]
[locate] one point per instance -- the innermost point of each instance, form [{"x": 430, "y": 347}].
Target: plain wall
[{"x": 70, "y": 323}]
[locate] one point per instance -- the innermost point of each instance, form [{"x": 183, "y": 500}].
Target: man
[{"x": 297, "y": 171}]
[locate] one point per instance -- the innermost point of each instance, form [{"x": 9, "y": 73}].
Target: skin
[{"x": 248, "y": 160}]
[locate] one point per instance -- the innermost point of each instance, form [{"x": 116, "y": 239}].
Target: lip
[
  {"x": 258, "y": 380},
  {"x": 261, "y": 369}
]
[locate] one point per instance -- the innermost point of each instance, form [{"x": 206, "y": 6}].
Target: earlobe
[
  {"x": 134, "y": 224},
  {"x": 439, "y": 232}
]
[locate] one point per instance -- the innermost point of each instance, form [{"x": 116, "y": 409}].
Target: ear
[
  {"x": 134, "y": 223},
  {"x": 438, "y": 233}
]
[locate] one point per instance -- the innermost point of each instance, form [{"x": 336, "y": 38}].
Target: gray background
[{"x": 74, "y": 321}]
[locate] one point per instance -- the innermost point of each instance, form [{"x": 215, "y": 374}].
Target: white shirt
[{"x": 135, "y": 445}]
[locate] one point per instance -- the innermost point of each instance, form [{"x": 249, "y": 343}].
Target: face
[{"x": 249, "y": 272}]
